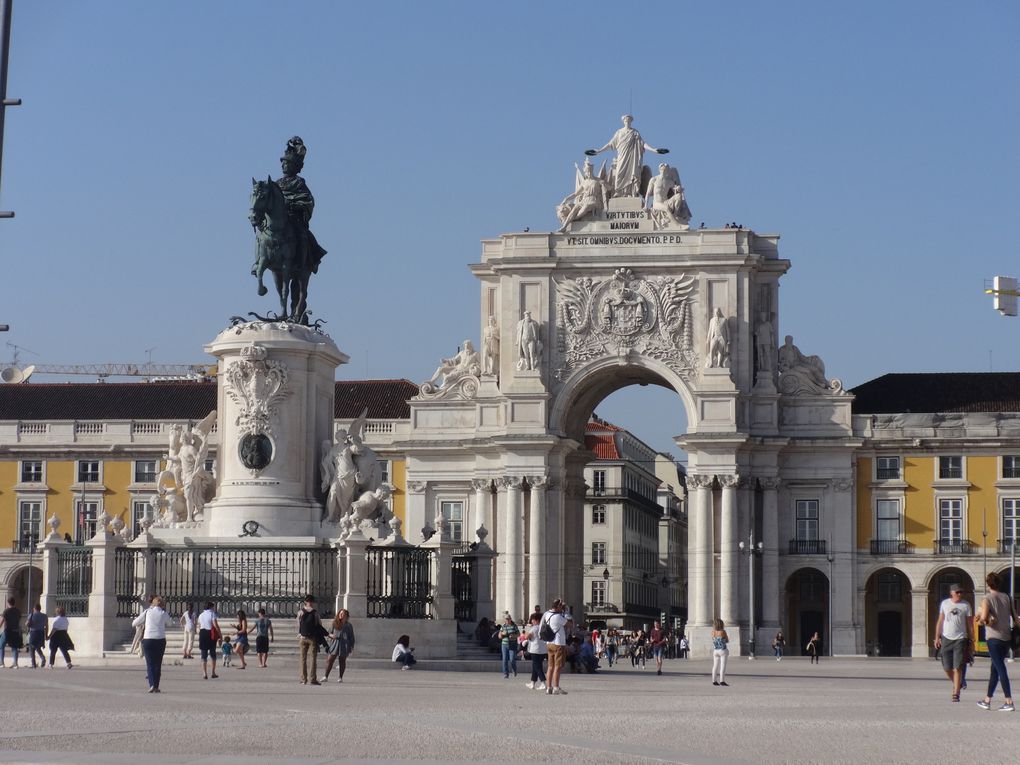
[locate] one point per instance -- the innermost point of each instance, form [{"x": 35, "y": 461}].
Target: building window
[
  {"x": 950, "y": 467},
  {"x": 210, "y": 465},
  {"x": 951, "y": 521},
  {"x": 453, "y": 512},
  {"x": 887, "y": 519},
  {"x": 887, "y": 468},
  {"x": 889, "y": 589},
  {"x": 32, "y": 471},
  {"x": 807, "y": 520},
  {"x": 88, "y": 471},
  {"x": 1011, "y": 466},
  {"x": 145, "y": 471},
  {"x": 29, "y": 524},
  {"x": 599, "y": 480},
  {"x": 598, "y": 553},
  {"x": 598, "y": 592},
  {"x": 384, "y": 466},
  {"x": 139, "y": 508},
  {"x": 1010, "y": 520},
  {"x": 598, "y": 514},
  {"x": 85, "y": 525}
]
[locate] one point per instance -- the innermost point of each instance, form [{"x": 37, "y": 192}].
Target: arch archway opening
[
  {"x": 25, "y": 586},
  {"x": 887, "y": 613},
  {"x": 807, "y": 609},
  {"x": 939, "y": 584}
]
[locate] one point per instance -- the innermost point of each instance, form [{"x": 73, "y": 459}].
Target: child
[{"x": 227, "y": 649}]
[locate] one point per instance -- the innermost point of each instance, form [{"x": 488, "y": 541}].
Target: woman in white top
[
  {"x": 59, "y": 639},
  {"x": 155, "y": 621},
  {"x": 537, "y": 651},
  {"x": 403, "y": 653}
]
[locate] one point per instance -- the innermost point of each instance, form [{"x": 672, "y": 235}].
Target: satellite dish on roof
[{"x": 12, "y": 374}]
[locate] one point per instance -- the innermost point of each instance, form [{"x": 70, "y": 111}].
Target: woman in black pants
[
  {"x": 537, "y": 650},
  {"x": 155, "y": 620}
]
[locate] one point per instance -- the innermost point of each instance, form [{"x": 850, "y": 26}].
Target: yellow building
[
  {"x": 73, "y": 451},
  {"x": 938, "y": 497}
]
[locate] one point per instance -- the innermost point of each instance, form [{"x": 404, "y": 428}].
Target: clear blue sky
[{"x": 878, "y": 138}]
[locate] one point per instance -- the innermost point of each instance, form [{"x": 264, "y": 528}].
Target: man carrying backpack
[
  {"x": 552, "y": 631},
  {"x": 310, "y": 631}
]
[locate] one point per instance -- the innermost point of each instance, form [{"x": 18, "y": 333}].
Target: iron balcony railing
[
  {"x": 954, "y": 547},
  {"x": 807, "y": 547},
  {"x": 1006, "y": 546},
  {"x": 891, "y": 547},
  {"x": 25, "y": 545}
]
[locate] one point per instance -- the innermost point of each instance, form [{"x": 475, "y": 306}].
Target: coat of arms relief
[{"x": 623, "y": 314}]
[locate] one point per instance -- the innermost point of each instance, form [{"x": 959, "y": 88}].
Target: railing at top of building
[
  {"x": 954, "y": 547},
  {"x": 89, "y": 428},
  {"x": 146, "y": 428},
  {"x": 807, "y": 547},
  {"x": 33, "y": 428},
  {"x": 74, "y": 580},
  {"x": 378, "y": 427},
  {"x": 891, "y": 547},
  {"x": 399, "y": 582}
]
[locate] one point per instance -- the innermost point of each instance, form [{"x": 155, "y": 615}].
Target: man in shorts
[
  {"x": 557, "y": 647},
  {"x": 952, "y": 635},
  {"x": 657, "y": 640}
]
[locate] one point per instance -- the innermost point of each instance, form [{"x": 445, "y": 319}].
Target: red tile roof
[
  {"x": 178, "y": 400},
  {"x": 602, "y": 446}
]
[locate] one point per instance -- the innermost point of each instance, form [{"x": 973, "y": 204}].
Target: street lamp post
[
  {"x": 751, "y": 550},
  {"x": 28, "y": 540},
  {"x": 830, "y": 558}
]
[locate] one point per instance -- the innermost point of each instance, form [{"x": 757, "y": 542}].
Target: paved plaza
[{"x": 843, "y": 710}]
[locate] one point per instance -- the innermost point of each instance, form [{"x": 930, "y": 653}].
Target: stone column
[
  {"x": 415, "y": 515},
  {"x": 482, "y": 583},
  {"x": 770, "y": 595},
  {"x": 514, "y": 547},
  {"x": 442, "y": 570},
  {"x": 537, "y": 543},
  {"x": 352, "y": 551},
  {"x": 103, "y": 622},
  {"x": 919, "y": 625},
  {"x": 728, "y": 551},
  {"x": 483, "y": 503},
  {"x": 700, "y": 544},
  {"x": 50, "y": 550}
]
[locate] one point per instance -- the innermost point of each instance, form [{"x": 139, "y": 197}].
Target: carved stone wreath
[
  {"x": 257, "y": 385},
  {"x": 627, "y": 313}
]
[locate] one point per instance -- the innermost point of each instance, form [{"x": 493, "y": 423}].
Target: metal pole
[
  {"x": 6, "y": 10},
  {"x": 829, "y": 557},
  {"x": 1012, "y": 581},
  {"x": 750, "y": 594},
  {"x": 28, "y": 593}
]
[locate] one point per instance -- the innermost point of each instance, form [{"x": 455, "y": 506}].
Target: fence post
[
  {"x": 355, "y": 598},
  {"x": 147, "y": 576},
  {"x": 50, "y": 549},
  {"x": 481, "y": 582},
  {"x": 102, "y": 617},
  {"x": 443, "y": 601}
]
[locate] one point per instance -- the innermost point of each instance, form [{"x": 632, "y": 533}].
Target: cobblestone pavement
[{"x": 841, "y": 711}]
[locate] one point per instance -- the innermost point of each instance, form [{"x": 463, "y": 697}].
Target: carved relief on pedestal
[
  {"x": 626, "y": 313},
  {"x": 256, "y": 384}
]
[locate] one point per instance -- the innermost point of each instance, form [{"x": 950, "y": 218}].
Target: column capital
[
  {"x": 698, "y": 481},
  {"x": 509, "y": 482},
  {"x": 481, "y": 484},
  {"x": 417, "y": 487},
  {"x": 842, "y": 484},
  {"x": 540, "y": 482},
  {"x": 729, "y": 481},
  {"x": 769, "y": 483}
]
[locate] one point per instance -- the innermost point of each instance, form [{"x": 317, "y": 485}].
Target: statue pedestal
[{"x": 275, "y": 402}]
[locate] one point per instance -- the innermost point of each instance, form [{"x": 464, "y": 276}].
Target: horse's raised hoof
[{"x": 263, "y": 290}]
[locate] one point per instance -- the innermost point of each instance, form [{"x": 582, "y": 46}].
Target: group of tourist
[{"x": 40, "y": 631}]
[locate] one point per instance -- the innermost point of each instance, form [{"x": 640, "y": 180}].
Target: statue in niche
[
  {"x": 352, "y": 478},
  {"x": 765, "y": 342},
  {"x": 792, "y": 361},
  {"x": 590, "y": 197},
  {"x": 669, "y": 204},
  {"x": 630, "y": 176},
  {"x": 450, "y": 370},
  {"x": 717, "y": 342},
  {"x": 490, "y": 348},
  {"x": 529, "y": 343}
]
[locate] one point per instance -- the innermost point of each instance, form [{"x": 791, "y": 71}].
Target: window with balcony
[
  {"x": 1011, "y": 466},
  {"x": 598, "y": 553},
  {"x": 453, "y": 512},
  {"x": 32, "y": 471},
  {"x": 951, "y": 539},
  {"x": 887, "y": 468},
  {"x": 807, "y": 520},
  {"x": 598, "y": 514},
  {"x": 598, "y": 592},
  {"x": 1010, "y": 524},
  {"x": 88, "y": 471},
  {"x": 85, "y": 514},
  {"x": 887, "y": 519},
  {"x": 599, "y": 483},
  {"x": 145, "y": 471},
  {"x": 29, "y": 525},
  {"x": 950, "y": 467},
  {"x": 138, "y": 509}
]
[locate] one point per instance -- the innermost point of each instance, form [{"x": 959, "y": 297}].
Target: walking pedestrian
[
  {"x": 952, "y": 635},
  {"x": 342, "y": 636},
  {"x": 10, "y": 620},
  {"x": 508, "y": 635},
  {"x": 59, "y": 639},
  {"x": 556, "y": 645},
  {"x": 37, "y": 623},
  {"x": 263, "y": 637},
  {"x": 685, "y": 647},
  {"x": 241, "y": 638},
  {"x": 403, "y": 652},
  {"x": 998, "y": 616},
  {"x": 208, "y": 635},
  {"x": 657, "y": 641},
  {"x": 310, "y": 631},
  {"x": 814, "y": 648},
  {"x": 154, "y": 621},
  {"x": 536, "y": 650},
  {"x": 779, "y": 645},
  {"x": 637, "y": 649},
  {"x": 188, "y": 626},
  {"x": 720, "y": 652},
  {"x": 612, "y": 646}
]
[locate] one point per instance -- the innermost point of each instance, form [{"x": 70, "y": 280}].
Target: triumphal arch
[{"x": 627, "y": 292}]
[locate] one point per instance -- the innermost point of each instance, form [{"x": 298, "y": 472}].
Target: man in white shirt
[
  {"x": 557, "y": 647},
  {"x": 952, "y": 635}
]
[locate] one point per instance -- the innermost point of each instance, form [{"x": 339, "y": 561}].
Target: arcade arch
[
  {"x": 939, "y": 583},
  {"x": 887, "y": 613},
  {"x": 22, "y": 582},
  {"x": 807, "y": 609}
]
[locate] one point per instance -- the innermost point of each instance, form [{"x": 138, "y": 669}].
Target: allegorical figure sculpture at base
[
  {"x": 352, "y": 479},
  {"x": 457, "y": 375},
  {"x": 800, "y": 374},
  {"x": 192, "y": 485},
  {"x": 630, "y": 176},
  {"x": 669, "y": 204},
  {"x": 590, "y": 197},
  {"x": 280, "y": 212}
]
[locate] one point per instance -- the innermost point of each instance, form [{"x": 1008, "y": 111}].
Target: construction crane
[
  {"x": 15, "y": 374},
  {"x": 1004, "y": 288}
]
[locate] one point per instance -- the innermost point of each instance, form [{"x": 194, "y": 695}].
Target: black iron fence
[
  {"x": 954, "y": 547},
  {"x": 129, "y": 580},
  {"x": 74, "y": 580},
  {"x": 890, "y": 547},
  {"x": 463, "y": 589},
  {"x": 399, "y": 582},
  {"x": 245, "y": 578},
  {"x": 807, "y": 546}
]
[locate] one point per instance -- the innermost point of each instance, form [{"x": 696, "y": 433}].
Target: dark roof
[
  {"x": 936, "y": 392},
  {"x": 178, "y": 400}
]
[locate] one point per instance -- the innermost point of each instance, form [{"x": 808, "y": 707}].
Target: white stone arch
[
  {"x": 873, "y": 569},
  {"x": 597, "y": 379},
  {"x": 975, "y": 577}
]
